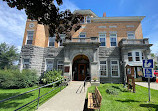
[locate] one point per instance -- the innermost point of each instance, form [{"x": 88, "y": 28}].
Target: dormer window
[
  {"x": 82, "y": 34},
  {"x": 88, "y": 19},
  {"x": 51, "y": 41}
]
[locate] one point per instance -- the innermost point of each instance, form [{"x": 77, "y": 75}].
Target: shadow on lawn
[
  {"x": 127, "y": 100},
  {"x": 11, "y": 103},
  {"x": 150, "y": 106}
]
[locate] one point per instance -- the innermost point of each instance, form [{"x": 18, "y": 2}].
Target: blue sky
[{"x": 12, "y": 21}]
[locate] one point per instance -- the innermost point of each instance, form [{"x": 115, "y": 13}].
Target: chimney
[{"x": 104, "y": 14}]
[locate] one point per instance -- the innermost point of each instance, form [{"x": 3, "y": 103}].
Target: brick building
[{"x": 101, "y": 48}]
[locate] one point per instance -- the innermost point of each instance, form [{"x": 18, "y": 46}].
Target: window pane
[
  {"x": 113, "y": 39},
  {"x": 29, "y": 41},
  {"x": 137, "y": 59},
  {"x": 102, "y": 62},
  {"x": 26, "y": 60},
  {"x": 112, "y": 35},
  {"x": 113, "y": 43},
  {"x": 103, "y": 73},
  {"x": 113, "y": 62},
  {"x": 129, "y": 54},
  {"x": 82, "y": 35},
  {"x": 137, "y": 53},
  {"x": 130, "y": 59},
  {"x": 51, "y": 41},
  {"x": 114, "y": 73}
]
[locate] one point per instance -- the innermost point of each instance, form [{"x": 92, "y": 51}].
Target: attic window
[{"x": 88, "y": 19}]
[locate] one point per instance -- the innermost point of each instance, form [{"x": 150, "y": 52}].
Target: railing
[
  {"x": 38, "y": 98},
  {"x": 86, "y": 81},
  {"x": 83, "y": 39},
  {"x": 134, "y": 41}
]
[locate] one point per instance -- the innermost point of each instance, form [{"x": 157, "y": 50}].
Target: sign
[
  {"x": 148, "y": 63},
  {"x": 148, "y": 73}
]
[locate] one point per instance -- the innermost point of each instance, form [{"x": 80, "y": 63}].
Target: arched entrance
[{"x": 80, "y": 68}]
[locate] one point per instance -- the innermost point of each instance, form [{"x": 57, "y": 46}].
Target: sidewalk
[
  {"x": 67, "y": 99},
  {"x": 153, "y": 85}
]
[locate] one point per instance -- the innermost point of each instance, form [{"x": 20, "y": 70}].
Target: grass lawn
[
  {"x": 15, "y": 103},
  {"x": 127, "y": 101}
]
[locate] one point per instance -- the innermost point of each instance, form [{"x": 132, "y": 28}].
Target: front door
[{"x": 81, "y": 72}]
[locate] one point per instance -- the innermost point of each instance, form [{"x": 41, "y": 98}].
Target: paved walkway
[
  {"x": 67, "y": 99},
  {"x": 153, "y": 85}
]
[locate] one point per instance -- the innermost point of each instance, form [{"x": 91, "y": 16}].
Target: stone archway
[{"x": 80, "y": 67}]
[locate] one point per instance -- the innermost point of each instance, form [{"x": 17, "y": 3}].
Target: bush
[
  {"x": 16, "y": 79},
  {"x": 112, "y": 91},
  {"x": 51, "y": 76}
]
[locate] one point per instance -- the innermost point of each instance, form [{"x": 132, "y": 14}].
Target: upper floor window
[
  {"x": 130, "y": 35},
  {"x": 113, "y": 39},
  {"x": 88, "y": 19},
  {"x": 137, "y": 56},
  {"x": 29, "y": 37},
  {"x": 102, "y": 38},
  {"x": 129, "y": 25},
  {"x": 62, "y": 37},
  {"x": 130, "y": 56},
  {"x": 82, "y": 20},
  {"x": 51, "y": 41},
  {"x": 101, "y": 26},
  {"x": 26, "y": 63},
  {"x": 82, "y": 34},
  {"x": 114, "y": 68},
  {"x": 60, "y": 65},
  {"x": 113, "y": 26},
  {"x": 103, "y": 68}
]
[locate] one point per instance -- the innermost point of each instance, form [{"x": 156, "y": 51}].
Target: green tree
[
  {"x": 8, "y": 55},
  {"x": 47, "y": 13}
]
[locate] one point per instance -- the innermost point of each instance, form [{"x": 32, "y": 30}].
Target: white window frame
[
  {"x": 129, "y": 25},
  {"x": 138, "y": 56},
  {"x": 102, "y": 37},
  {"x": 83, "y": 20},
  {"x": 46, "y": 62},
  {"x": 134, "y": 55},
  {"x": 113, "y": 26},
  {"x": 60, "y": 64},
  {"x": 27, "y": 36},
  {"x": 82, "y": 33},
  {"x": 131, "y": 33},
  {"x": 23, "y": 63},
  {"x": 106, "y": 69},
  {"x": 62, "y": 36},
  {"x": 117, "y": 66},
  {"x": 89, "y": 19},
  {"x": 113, "y": 37},
  {"x": 54, "y": 41},
  {"x": 131, "y": 56}
]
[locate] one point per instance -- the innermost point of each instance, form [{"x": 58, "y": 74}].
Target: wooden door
[{"x": 81, "y": 72}]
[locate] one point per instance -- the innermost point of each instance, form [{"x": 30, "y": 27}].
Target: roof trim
[{"x": 129, "y": 18}]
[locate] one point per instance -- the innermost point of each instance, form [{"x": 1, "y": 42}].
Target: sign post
[{"x": 148, "y": 69}]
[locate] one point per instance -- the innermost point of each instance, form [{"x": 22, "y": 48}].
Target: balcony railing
[
  {"x": 84, "y": 39},
  {"x": 134, "y": 41}
]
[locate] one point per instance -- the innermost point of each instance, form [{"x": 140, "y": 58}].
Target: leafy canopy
[
  {"x": 8, "y": 55},
  {"x": 47, "y": 13}
]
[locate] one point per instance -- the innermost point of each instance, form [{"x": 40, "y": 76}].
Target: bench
[{"x": 94, "y": 100}]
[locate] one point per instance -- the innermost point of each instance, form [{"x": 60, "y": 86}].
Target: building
[{"x": 101, "y": 48}]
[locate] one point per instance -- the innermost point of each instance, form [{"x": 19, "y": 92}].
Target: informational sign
[
  {"x": 148, "y": 73},
  {"x": 148, "y": 63}
]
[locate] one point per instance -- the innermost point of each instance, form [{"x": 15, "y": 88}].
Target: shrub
[
  {"x": 17, "y": 79},
  {"x": 112, "y": 91},
  {"x": 51, "y": 76}
]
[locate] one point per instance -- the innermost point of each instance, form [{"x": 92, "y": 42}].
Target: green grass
[
  {"x": 127, "y": 101},
  {"x": 15, "y": 103}
]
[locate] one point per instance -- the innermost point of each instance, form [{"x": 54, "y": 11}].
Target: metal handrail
[
  {"x": 85, "y": 82},
  {"x": 34, "y": 90}
]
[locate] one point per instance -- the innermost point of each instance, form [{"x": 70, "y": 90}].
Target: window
[
  {"x": 142, "y": 56},
  {"x": 49, "y": 64},
  {"x": 114, "y": 69},
  {"x": 137, "y": 58},
  {"x": 102, "y": 38},
  {"x": 60, "y": 65},
  {"x": 88, "y": 19},
  {"x": 114, "y": 26},
  {"x": 82, "y": 20},
  {"x": 130, "y": 36},
  {"x": 103, "y": 69},
  {"x": 101, "y": 26},
  {"x": 26, "y": 63},
  {"x": 113, "y": 40},
  {"x": 29, "y": 37},
  {"x": 62, "y": 37},
  {"x": 51, "y": 41},
  {"x": 130, "y": 56},
  {"x": 82, "y": 34},
  {"x": 129, "y": 25}
]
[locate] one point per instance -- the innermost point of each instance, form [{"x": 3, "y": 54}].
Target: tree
[
  {"x": 8, "y": 55},
  {"x": 47, "y": 13}
]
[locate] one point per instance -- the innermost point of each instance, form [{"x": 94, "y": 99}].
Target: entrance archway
[{"x": 80, "y": 68}]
